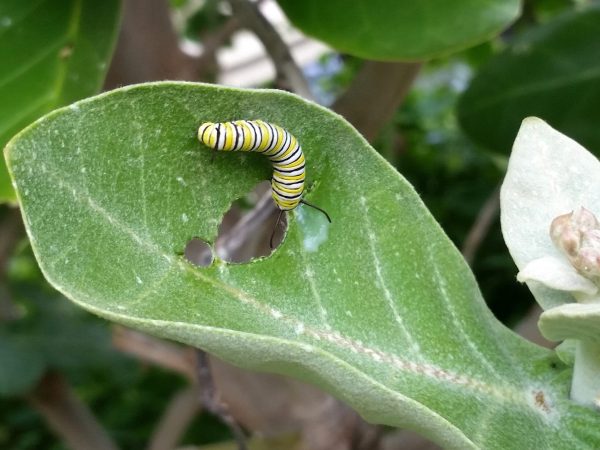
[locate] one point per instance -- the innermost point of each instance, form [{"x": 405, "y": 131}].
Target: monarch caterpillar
[{"x": 277, "y": 144}]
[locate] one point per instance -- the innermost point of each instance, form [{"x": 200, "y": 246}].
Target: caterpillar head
[{"x": 206, "y": 130}]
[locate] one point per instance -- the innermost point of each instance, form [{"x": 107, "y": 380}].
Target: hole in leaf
[
  {"x": 198, "y": 252},
  {"x": 245, "y": 232}
]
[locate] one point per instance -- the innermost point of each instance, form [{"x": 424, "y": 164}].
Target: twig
[
  {"x": 233, "y": 245},
  {"x": 191, "y": 363},
  {"x": 479, "y": 230},
  {"x": 67, "y": 415},
  {"x": 156, "y": 351},
  {"x": 211, "y": 42},
  {"x": 178, "y": 415},
  {"x": 528, "y": 328},
  {"x": 334, "y": 426},
  {"x": 375, "y": 94},
  {"x": 148, "y": 47},
  {"x": 209, "y": 399},
  {"x": 287, "y": 71}
]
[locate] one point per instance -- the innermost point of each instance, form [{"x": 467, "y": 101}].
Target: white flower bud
[{"x": 577, "y": 234}]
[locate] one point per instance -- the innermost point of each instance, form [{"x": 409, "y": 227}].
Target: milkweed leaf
[
  {"x": 393, "y": 30},
  {"x": 384, "y": 313},
  {"x": 550, "y": 72}
]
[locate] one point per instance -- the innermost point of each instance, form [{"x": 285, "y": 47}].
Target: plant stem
[
  {"x": 176, "y": 418},
  {"x": 68, "y": 416},
  {"x": 287, "y": 71},
  {"x": 375, "y": 95},
  {"x": 209, "y": 399},
  {"x": 585, "y": 389},
  {"x": 481, "y": 227}
]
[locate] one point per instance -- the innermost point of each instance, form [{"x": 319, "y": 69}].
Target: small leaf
[
  {"x": 401, "y": 29},
  {"x": 556, "y": 274},
  {"x": 52, "y": 54},
  {"x": 551, "y": 72},
  {"x": 572, "y": 321},
  {"x": 384, "y": 313},
  {"x": 548, "y": 175}
]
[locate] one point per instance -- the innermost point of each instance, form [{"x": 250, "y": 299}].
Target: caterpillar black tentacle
[
  {"x": 277, "y": 144},
  {"x": 304, "y": 202}
]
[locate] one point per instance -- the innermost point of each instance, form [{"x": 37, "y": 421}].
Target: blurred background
[{"x": 70, "y": 380}]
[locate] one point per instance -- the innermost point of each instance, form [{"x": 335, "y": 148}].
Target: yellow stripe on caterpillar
[{"x": 277, "y": 144}]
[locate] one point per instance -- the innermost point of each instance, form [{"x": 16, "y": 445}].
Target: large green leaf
[
  {"x": 401, "y": 29},
  {"x": 52, "y": 54},
  {"x": 553, "y": 73},
  {"x": 384, "y": 313}
]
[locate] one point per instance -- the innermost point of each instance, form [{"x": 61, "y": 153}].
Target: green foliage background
[{"x": 53, "y": 53}]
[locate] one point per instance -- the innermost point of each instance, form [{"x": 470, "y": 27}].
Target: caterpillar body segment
[
  {"x": 277, "y": 144},
  {"x": 274, "y": 142}
]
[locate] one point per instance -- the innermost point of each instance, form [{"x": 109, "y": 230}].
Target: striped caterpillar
[{"x": 277, "y": 144}]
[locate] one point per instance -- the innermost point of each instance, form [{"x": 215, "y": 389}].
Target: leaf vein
[
  {"x": 441, "y": 284},
  {"x": 371, "y": 239},
  {"x": 310, "y": 276}
]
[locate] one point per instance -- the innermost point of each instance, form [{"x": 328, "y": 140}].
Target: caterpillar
[{"x": 277, "y": 144}]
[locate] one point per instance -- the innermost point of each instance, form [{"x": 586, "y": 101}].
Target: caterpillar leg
[
  {"x": 317, "y": 208},
  {"x": 275, "y": 228}
]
